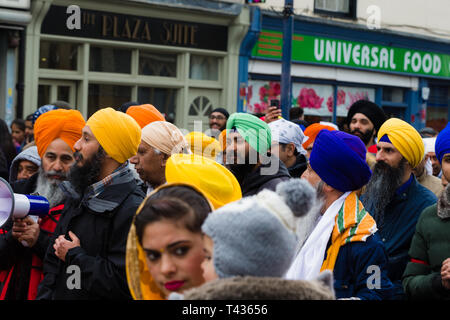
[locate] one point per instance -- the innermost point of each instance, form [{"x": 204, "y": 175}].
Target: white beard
[{"x": 49, "y": 188}]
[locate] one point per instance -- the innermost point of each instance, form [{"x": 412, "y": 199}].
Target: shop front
[
  {"x": 180, "y": 60},
  {"x": 336, "y": 64}
]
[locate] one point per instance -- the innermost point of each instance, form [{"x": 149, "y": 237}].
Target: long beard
[
  {"x": 381, "y": 188},
  {"x": 89, "y": 173},
  {"x": 366, "y": 136},
  {"x": 49, "y": 188}
]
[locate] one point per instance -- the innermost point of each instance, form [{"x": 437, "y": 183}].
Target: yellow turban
[
  {"x": 203, "y": 145},
  {"x": 59, "y": 123},
  {"x": 118, "y": 133},
  {"x": 405, "y": 139},
  {"x": 215, "y": 181},
  {"x": 165, "y": 137}
]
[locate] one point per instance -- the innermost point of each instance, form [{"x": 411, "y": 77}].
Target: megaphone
[{"x": 16, "y": 205}]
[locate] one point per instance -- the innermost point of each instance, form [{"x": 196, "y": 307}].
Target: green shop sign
[{"x": 337, "y": 52}]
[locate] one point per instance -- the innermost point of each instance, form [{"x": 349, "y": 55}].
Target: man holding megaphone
[{"x": 24, "y": 241}]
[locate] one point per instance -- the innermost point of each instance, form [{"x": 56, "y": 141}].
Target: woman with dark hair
[
  {"x": 165, "y": 246},
  {"x": 6, "y": 145},
  {"x": 18, "y": 133}
]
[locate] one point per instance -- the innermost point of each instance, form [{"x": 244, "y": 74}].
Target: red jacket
[{"x": 24, "y": 274}]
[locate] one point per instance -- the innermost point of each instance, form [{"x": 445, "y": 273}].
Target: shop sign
[
  {"x": 336, "y": 52},
  {"x": 120, "y": 27}
]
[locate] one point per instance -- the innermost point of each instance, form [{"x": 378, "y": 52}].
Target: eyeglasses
[{"x": 217, "y": 117}]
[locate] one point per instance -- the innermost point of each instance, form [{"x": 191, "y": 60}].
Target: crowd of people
[{"x": 255, "y": 207}]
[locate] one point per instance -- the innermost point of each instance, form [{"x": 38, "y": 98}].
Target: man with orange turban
[
  {"x": 145, "y": 114},
  {"x": 23, "y": 247},
  {"x": 103, "y": 197},
  {"x": 311, "y": 133}
]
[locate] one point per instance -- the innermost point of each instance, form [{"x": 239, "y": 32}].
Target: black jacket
[
  {"x": 299, "y": 166},
  {"x": 255, "y": 181},
  {"x": 102, "y": 224}
]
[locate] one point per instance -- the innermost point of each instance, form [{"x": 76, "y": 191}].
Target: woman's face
[
  {"x": 17, "y": 134},
  {"x": 209, "y": 272},
  {"x": 174, "y": 256}
]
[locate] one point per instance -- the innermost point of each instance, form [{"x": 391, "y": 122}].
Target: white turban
[
  {"x": 284, "y": 131},
  {"x": 165, "y": 137}
]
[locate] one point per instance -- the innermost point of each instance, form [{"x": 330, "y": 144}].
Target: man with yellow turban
[
  {"x": 159, "y": 140},
  {"x": 102, "y": 199},
  {"x": 393, "y": 196},
  {"x": 23, "y": 247},
  {"x": 248, "y": 154}
]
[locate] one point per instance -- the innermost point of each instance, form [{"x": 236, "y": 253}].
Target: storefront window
[
  {"x": 396, "y": 95},
  {"x": 315, "y": 99},
  {"x": 156, "y": 64},
  {"x": 58, "y": 55},
  {"x": 104, "y": 59},
  {"x": 259, "y": 94},
  {"x": 164, "y": 99},
  {"x": 346, "y": 96},
  {"x": 204, "y": 68},
  {"x": 105, "y": 95},
  {"x": 437, "y": 117}
]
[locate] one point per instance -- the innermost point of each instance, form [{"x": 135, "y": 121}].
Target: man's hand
[
  {"x": 31, "y": 234},
  {"x": 62, "y": 245},
  {"x": 273, "y": 114},
  {"x": 25, "y": 230},
  {"x": 445, "y": 273}
]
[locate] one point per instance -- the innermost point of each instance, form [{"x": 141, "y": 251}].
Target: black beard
[
  {"x": 366, "y": 136},
  {"x": 381, "y": 188},
  {"x": 89, "y": 173}
]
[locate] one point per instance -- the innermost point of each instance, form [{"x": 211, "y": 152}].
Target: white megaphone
[{"x": 19, "y": 205}]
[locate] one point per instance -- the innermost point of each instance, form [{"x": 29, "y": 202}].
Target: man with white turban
[{"x": 159, "y": 140}]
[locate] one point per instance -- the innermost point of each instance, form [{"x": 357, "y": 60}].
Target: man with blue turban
[
  {"x": 344, "y": 240},
  {"x": 248, "y": 154}
]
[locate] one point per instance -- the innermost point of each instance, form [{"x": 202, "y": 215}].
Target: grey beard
[
  {"x": 49, "y": 188},
  {"x": 381, "y": 188}
]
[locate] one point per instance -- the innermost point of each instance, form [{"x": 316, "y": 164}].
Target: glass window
[
  {"x": 315, "y": 99},
  {"x": 346, "y": 96},
  {"x": 394, "y": 94},
  {"x": 164, "y": 99},
  {"x": 437, "y": 117},
  {"x": 343, "y": 8},
  {"x": 104, "y": 59},
  {"x": 157, "y": 64},
  {"x": 204, "y": 68},
  {"x": 58, "y": 55},
  {"x": 259, "y": 94},
  {"x": 105, "y": 95},
  {"x": 43, "y": 94}
]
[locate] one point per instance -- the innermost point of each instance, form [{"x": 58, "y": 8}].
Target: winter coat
[
  {"x": 254, "y": 181},
  {"x": 102, "y": 224},
  {"x": 299, "y": 166},
  {"x": 258, "y": 288},
  {"x": 430, "y": 246},
  {"x": 400, "y": 218},
  {"x": 21, "y": 267},
  {"x": 357, "y": 265},
  {"x": 432, "y": 183}
]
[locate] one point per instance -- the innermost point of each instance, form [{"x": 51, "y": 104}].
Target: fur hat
[{"x": 256, "y": 236}]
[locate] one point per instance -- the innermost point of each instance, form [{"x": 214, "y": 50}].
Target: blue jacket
[
  {"x": 400, "y": 218},
  {"x": 361, "y": 271}
]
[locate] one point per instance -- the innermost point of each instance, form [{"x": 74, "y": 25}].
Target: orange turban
[
  {"x": 312, "y": 131},
  {"x": 223, "y": 139},
  {"x": 145, "y": 114},
  {"x": 59, "y": 123}
]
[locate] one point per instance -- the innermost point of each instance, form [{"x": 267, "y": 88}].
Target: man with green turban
[{"x": 248, "y": 154}]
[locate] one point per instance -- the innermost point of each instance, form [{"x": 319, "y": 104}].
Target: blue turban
[
  {"x": 339, "y": 159},
  {"x": 442, "y": 146},
  {"x": 42, "y": 110}
]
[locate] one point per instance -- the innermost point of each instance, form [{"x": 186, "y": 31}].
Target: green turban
[{"x": 255, "y": 131}]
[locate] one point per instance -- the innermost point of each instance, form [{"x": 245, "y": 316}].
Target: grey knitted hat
[{"x": 255, "y": 236}]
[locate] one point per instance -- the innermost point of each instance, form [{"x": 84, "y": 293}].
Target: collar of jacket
[
  {"x": 443, "y": 204},
  {"x": 109, "y": 199}
]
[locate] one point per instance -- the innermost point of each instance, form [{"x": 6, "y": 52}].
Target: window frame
[{"x": 350, "y": 15}]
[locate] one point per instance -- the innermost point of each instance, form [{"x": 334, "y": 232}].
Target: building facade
[
  {"x": 180, "y": 56},
  {"x": 14, "y": 17},
  {"x": 346, "y": 50}
]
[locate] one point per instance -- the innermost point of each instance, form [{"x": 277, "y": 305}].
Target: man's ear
[{"x": 291, "y": 149}]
